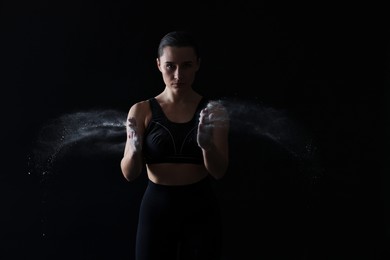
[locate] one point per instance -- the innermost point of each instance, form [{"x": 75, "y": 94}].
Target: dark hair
[{"x": 178, "y": 39}]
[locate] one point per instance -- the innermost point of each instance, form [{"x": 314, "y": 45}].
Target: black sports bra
[{"x": 169, "y": 142}]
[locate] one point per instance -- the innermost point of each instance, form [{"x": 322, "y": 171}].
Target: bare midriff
[{"x": 176, "y": 174}]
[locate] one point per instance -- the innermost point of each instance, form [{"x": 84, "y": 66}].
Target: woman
[{"x": 182, "y": 137}]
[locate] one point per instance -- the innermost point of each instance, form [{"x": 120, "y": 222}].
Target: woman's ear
[
  {"x": 199, "y": 60},
  {"x": 158, "y": 64}
]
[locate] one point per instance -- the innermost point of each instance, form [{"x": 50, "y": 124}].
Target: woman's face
[{"x": 178, "y": 66}]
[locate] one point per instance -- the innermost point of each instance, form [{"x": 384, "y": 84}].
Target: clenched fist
[
  {"x": 212, "y": 116},
  {"x": 132, "y": 135}
]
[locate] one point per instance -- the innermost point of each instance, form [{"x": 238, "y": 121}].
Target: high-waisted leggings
[{"x": 179, "y": 222}]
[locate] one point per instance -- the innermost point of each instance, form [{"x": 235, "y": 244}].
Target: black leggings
[{"x": 179, "y": 222}]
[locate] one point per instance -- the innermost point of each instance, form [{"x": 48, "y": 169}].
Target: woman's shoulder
[
  {"x": 140, "y": 107},
  {"x": 141, "y": 104},
  {"x": 140, "y": 111}
]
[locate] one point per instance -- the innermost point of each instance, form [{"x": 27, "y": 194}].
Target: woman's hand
[
  {"x": 132, "y": 135},
  {"x": 212, "y": 116}
]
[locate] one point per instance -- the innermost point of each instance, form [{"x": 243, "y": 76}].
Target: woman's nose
[{"x": 177, "y": 73}]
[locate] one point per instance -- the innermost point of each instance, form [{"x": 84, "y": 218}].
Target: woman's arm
[
  {"x": 132, "y": 160},
  {"x": 213, "y": 132}
]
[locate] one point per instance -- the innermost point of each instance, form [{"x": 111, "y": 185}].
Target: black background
[{"x": 327, "y": 65}]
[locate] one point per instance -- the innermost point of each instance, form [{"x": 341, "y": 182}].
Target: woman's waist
[{"x": 176, "y": 173}]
